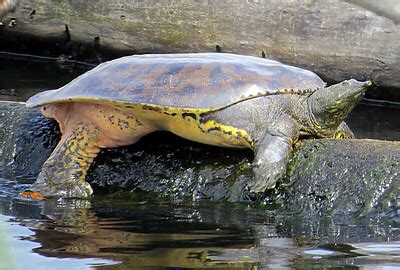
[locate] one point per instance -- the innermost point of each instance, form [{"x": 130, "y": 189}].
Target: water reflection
[
  {"x": 143, "y": 234},
  {"x": 18, "y": 244},
  {"x": 360, "y": 255},
  {"x": 136, "y": 235}
]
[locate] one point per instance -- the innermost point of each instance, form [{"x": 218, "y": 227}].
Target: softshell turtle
[{"x": 214, "y": 98}]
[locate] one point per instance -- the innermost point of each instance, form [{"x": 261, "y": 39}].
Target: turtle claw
[
  {"x": 68, "y": 189},
  {"x": 31, "y": 195},
  {"x": 266, "y": 176},
  {"x": 81, "y": 191},
  {"x": 260, "y": 185}
]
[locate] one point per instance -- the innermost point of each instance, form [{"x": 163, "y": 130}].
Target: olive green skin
[{"x": 262, "y": 103}]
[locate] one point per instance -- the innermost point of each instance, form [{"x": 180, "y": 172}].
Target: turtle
[{"x": 220, "y": 99}]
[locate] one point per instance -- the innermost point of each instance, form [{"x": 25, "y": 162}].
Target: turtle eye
[{"x": 44, "y": 108}]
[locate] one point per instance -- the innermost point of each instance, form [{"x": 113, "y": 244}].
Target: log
[
  {"x": 387, "y": 8},
  {"x": 7, "y": 6},
  {"x": 333, "y": 38},
  {"x": 325, "y": 175}
]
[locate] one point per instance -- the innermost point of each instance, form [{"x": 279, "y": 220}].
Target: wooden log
[
  {"x": 336, "y": 39},
  {"x": 387, "y": 8},
  {"x": 331, "y": 176},
  {"x": 7, "y": 6}
]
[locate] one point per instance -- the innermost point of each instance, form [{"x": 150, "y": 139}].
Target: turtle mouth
[{"x": 353, "y": 91}]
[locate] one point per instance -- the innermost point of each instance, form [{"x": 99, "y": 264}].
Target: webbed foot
[
  {"x": 69, "y": 189},
  {"x": 64, "y": 172},
  {"x": 266, "y": 175},
  {"x": 272, "y": 153}
]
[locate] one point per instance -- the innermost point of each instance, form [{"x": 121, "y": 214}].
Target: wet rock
[
  {"x": 360, "y": 177},
  {"x": 26, "y": 140},
  {"x": 335, "y": 39},
  {"x": 325, "y": 176}
]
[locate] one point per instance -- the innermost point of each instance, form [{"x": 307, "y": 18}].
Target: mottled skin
[{"x": 218, "y": 99}]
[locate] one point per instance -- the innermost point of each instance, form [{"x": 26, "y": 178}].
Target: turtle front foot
[
  {"x": 266, "y": 175},
  {"x": 68, "y": 189}
]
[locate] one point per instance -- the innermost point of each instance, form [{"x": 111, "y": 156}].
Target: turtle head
[{"x": 330, "y": 106}]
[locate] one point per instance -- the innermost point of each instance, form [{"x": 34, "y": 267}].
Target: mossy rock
[{"x": 325, "y": 176}]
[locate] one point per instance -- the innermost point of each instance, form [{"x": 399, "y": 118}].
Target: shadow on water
[
  {"x": 142, "y": 231},
  {"x": 372, "y": 121}
]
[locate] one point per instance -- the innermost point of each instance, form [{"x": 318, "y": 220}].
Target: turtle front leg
[
  {"x": 64, "y": 172},
  {"x": 343, "y": 132},
  {"x": 272, "y": 153}
]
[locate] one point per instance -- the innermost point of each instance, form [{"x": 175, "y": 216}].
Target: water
[
  {"x": 144, "y": 233},
  {"x": 21, "y": 78},
  {"x": 152, "y": 235}
]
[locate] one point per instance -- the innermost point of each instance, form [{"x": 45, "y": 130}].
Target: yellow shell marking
[{"x": 189, "y": 124}]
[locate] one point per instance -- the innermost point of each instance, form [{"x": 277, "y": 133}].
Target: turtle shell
[{"x": 191, "y": 81}]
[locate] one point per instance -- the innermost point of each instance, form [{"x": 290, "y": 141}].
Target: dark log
[
  {"x": 336, "y": 39},
  {"x": 332, "y": 176}
]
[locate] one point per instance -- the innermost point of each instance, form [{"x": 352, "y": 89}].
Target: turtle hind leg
[
  {"x": 64, "y": 172},
  {"x": 272, "y": 154}
]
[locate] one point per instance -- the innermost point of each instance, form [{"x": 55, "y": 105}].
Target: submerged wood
[
  {"x": 333, "y": 176},
  {"x": 336, "y": 39}
]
